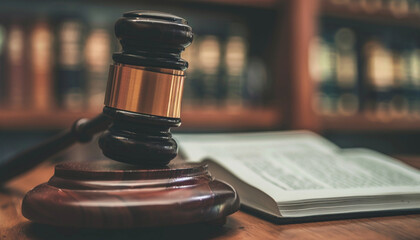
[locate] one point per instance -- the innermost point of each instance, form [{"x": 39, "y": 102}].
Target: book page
[
  {"x": 199, "y": 146},
  {"x": 298, "y": 166}
]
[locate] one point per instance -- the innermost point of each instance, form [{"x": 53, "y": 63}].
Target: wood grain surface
[{"x": 239, "y": 225}]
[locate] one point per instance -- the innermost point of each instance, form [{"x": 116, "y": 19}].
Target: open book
[{"x": 300, "y": 176}]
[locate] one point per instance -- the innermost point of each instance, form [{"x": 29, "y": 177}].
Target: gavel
[{"x": 139, "y": 187}]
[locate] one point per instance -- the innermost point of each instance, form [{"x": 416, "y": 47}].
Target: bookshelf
[
  {"x": 215, "y": 116},
  {"x": 305, "y": 89},
  {"x": 289, "y": 30}
]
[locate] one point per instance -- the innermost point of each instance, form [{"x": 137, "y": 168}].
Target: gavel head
[{"x": 144, "y": 90}]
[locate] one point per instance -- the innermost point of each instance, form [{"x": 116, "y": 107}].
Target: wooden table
[{"x": 239, "y": 226}]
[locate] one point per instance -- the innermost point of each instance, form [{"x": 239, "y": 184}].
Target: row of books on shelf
[
  {"x": 48, "y": 63},
  {"x": 365, "y": 68},
  {"x": 395, "y": 7},
  {"x": 221, "y": 74}
]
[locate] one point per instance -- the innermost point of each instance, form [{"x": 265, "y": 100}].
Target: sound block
[{"x": 111, "y": 195}]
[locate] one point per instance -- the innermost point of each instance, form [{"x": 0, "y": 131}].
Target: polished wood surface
[
  {"x": 110, "y": 195},
  {"x": 240, "y": 225}
]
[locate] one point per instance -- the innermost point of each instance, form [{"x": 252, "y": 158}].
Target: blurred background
[{"x": 347, "y": 69}]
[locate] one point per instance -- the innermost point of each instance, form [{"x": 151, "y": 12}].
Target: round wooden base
[{"x": 108, "y": 194}]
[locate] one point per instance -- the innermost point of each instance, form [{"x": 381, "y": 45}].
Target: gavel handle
[{"x": 81, "y": 131}]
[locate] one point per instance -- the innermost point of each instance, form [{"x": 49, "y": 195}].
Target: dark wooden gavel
[{"x": 142, "y": 103}]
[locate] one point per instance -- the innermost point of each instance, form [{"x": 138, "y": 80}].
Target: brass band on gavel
[{"x": 154, "y": 91}]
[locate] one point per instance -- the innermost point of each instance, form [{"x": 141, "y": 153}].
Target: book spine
[
  {"x": 235, "y": 62},
  {"x": 399, "y": 102},
  {"x": 256, "y": 81},
  {"x": 322, "y": 64},
  {"x": 346, "y": 72},
  {"x": 70, "y": 72},
  {"x": 400, "y": 55},
  {"x": 41, "y": 66},
  {"x": 17, "y": 85},
  {"x": 380, "y": 77},
  {"x": 209, "y": 58},
  {"x": 97, "y": 55}
]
